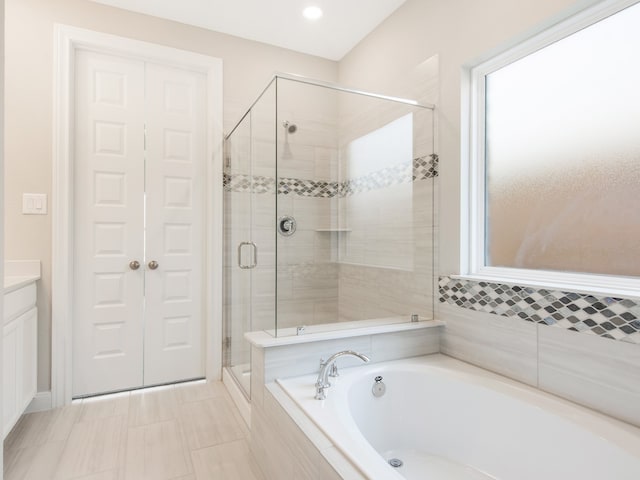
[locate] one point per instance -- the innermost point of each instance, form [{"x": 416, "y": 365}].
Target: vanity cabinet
[{"x": 19, "y": 336}]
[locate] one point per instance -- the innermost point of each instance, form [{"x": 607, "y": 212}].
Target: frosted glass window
[{"x": 562, "y": 158}]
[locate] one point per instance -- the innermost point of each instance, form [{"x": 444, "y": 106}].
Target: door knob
[
  {"x": 134, "y": 264},
  {"x": 153, "y": 264}
]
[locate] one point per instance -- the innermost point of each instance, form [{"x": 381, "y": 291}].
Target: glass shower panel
[
  {"x": 355, "y": 174},
  {"x": 249, "y": 211},
  {"x": 263, "y": 209}
]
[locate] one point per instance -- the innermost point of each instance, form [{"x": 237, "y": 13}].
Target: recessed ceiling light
[{"x": 312, "y": 13}]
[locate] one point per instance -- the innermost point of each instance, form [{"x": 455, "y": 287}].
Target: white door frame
[{"x": 67, "y": 40}]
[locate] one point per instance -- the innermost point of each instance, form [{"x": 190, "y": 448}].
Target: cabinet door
[
  {"x": 11, "y": 360},
  {"x": 29, "y": 358}
]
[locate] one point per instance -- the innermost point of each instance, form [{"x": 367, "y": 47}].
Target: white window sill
[{"x": 601, "y": 285}]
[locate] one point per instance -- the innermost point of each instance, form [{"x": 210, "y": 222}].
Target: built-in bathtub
[{"x": 446, "y": 419}]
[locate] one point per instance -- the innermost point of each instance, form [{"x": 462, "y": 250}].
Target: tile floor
[{"x": 187, "y": 432}]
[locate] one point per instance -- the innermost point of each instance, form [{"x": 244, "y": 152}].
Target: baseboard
[
  {"x": 237, "y": 396},
  {"x": 40, "y": 403}
]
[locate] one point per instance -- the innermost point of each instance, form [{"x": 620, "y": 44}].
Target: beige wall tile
[
  {"x": 597, "y": 372},
  {"x": 393, "y": 346},
  {"x": 499, "y": 344},
  {"x": 257, "y": 376}
]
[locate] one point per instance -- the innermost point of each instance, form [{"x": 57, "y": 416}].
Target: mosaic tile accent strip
[
  {"x": 609, "y": 317},
  {"x": 243, "y": 183},
  {"x": 421, "y": 168},
  {"x": 387, "y": 177},
  {"x": 307, "y": 188},
  {"x": 425, "y": 167}
]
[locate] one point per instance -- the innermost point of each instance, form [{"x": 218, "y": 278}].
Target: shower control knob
[
  {"x": 286, "y": 225},
  {"x": 153, "y": 264}
]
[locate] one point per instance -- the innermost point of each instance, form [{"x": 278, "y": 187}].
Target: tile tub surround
[
  {"x": 608, "y": 317},
  {"x": 284, "y": 441},
  {"x": 293, "y": 356},
  {"x": 587, "y": 369},
  {"x": 288, "y": 445}
]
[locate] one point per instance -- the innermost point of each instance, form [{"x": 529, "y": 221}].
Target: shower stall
[{"x": 328, "y": 214}]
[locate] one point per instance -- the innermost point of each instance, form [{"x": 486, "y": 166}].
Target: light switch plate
[{"x": 34, "y": 203}]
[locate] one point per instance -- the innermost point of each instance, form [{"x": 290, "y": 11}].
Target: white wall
[{"x": 247, "y": 67}]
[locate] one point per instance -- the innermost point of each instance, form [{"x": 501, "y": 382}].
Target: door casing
[{"x": 67, "y": 41}]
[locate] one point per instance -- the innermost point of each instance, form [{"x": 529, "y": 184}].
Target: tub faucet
[{"x": 323, "y": 383}]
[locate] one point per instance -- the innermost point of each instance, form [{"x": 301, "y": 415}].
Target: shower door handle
[{"x": 254, "y": 257}]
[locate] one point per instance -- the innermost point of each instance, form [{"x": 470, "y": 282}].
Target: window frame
[{"x": 472, "y": 255}]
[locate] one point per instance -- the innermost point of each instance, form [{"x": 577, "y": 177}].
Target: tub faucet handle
[
  {"x": 327, "y": 383},
  {"x": 322, "y": 383}
]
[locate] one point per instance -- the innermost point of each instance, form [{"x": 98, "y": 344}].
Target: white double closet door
[{"x": 139, "y": 173}]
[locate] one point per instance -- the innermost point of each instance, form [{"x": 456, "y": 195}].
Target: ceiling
[{"x": 276, "y": 22}]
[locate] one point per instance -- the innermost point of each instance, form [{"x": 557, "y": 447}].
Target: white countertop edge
[
  {"x": 15, "y": 282},
  {"x": 263, "y": 339}
]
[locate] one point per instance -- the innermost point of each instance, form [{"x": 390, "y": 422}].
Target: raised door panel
[
  {"x": 109, "y": 224},
  {"x": 175, "y": 176}
]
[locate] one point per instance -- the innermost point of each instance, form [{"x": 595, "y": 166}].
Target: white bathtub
[{"x": 446, "y": 420}]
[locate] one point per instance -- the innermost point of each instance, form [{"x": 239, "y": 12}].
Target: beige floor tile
[
  {"x": 108, "y": 475},
  {"x": 41, "y": 427},
  {"x": 228, "y": 461},
  {"x": 157, "y": 452},
  {"x": 93, "y": 446},
  {"x": 210, "y": 422},
  {"x": 152, "y": 406},
  {"x": 64, "y": 422},
  {"x": 33, "y": 463},
  {"x": 115, "y": 405},
  {"x": 145, "y": 434},
  {"x": 197, "y": 391}
]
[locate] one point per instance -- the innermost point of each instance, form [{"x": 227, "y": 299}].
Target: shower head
[{"x": 289, "y": 127}]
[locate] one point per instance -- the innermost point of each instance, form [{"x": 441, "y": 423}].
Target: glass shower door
[
  {"x": 249, "y": 242},
  {"x": 238, "y": 258}
]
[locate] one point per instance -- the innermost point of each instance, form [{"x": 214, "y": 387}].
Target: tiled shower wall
[
  {"x": 308, "y": 174},
  {"x": 387, "y": 262}
]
